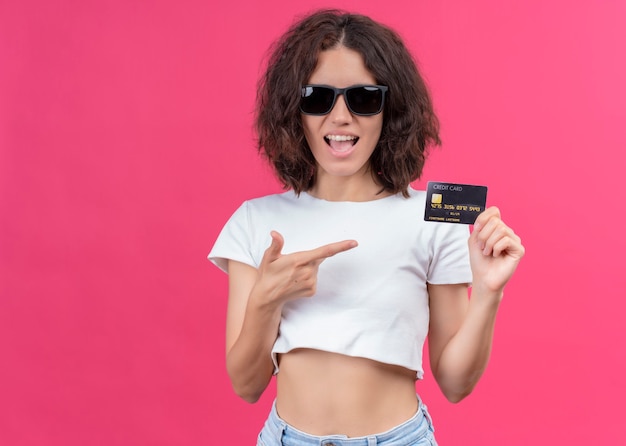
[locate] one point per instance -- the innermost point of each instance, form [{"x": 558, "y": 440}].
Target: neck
[{"x": 353, "y": 188}]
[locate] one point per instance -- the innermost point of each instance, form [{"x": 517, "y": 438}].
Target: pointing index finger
[{"x": 323, "y": 252}]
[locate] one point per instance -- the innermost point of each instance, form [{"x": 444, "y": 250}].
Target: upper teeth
[{"x": 341, "y": 137}]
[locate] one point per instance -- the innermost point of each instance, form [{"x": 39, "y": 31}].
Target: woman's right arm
[
  {"x": 255, "y": 301},
  {"x": 251, "y": 329}
]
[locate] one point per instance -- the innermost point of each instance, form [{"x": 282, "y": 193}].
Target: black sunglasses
[{"x": 362, "y": 100}]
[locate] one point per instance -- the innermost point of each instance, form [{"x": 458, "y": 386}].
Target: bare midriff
[{"x": 323, "y": 393}]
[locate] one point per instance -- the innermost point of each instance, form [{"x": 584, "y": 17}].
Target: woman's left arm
[{"x": 461, "y": 330}]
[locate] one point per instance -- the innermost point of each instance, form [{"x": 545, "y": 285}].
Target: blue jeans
[{"x": 417, "y": 431}]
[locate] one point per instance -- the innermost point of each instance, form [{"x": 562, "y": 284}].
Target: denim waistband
[{"x": 277, "y": 431}]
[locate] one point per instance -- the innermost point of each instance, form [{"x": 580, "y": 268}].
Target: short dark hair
[{"x": 409, "y": 122}]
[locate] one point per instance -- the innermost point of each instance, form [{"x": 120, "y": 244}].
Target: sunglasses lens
[
  {"x": 317, "y": 100},
  {"x": 366, "y": 100}
]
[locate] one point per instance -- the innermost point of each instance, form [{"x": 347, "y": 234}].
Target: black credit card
[{"x": 454, "y": 203}]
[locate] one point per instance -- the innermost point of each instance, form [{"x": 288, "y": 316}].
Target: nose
[{"x": 340, "y": 113}]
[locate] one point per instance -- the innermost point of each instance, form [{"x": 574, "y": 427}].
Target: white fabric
[{"x": 371, "y": 301}]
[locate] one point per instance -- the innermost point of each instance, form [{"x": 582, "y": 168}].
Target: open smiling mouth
[{"x": 341, "y": 143}]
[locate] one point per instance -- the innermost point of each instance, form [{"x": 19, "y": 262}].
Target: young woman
[{"x": 334, "y": 284}]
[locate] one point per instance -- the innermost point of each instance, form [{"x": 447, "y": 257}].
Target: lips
[{"x": 341, "y": 144}]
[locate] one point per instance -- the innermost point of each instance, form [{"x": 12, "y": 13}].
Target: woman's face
[{"x": 341, "y": 142}]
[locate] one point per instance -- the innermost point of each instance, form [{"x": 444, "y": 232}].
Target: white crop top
[{"x": 371, "y": 301}]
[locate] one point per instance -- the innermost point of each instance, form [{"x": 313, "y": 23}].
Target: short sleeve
[
  {"x": 450, "y": 255},
  {"x": 234, "y": 241}
]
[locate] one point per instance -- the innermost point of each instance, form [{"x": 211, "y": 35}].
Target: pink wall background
[{"x": 126, "y": 143}]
